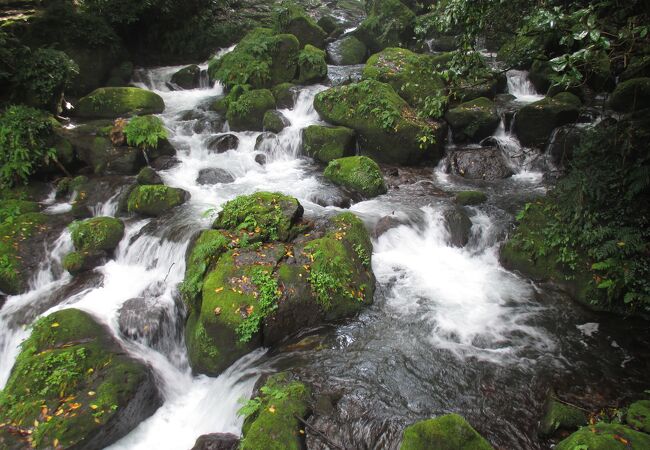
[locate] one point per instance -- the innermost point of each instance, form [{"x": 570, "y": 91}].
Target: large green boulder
[
  {"x": 155, "y": 200},
  {"x": 73, "y": 386},
  {"x": 188, "y": 77},
  {"x": 388, "y": 129},
  {"x": 631, "y": 95},
  {"x": 292, "y": 19},
  {"x": 97, "y": 234},
  {"x": 262, "y": 59},
  {"x": 113, "y": 102},
  {"x": 605, "y": 436},
  {"x": 347, "y": 51},
  {"x": 448, "y": 432},
  {"x": 474, "y": 120},
  {"x": 535, "y": 122},
  {"x": 247, "y": 112},
  {"x": 561, "y": 416},
  {"x": 274, "y": 121},
  {"x": 357, "y": 173},
  {"x": 389, "y": 24},
  {"x": 638, "y": 415},
  {"x": 410, "y": 74},
  {"x": 273, "y": 416},
  {"x": 312, "y": 66},
  {"x": 328, "y": 143}
]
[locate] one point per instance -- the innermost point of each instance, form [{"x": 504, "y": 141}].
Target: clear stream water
[{"x": 450, "y": 329}]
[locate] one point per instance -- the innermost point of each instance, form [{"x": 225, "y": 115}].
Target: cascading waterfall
[{"x": 520, "y": 86}]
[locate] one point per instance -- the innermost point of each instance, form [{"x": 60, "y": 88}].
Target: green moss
[
  {"x": 328, "y": 143},
  {"x": 113, "y": 102},
  {"x": 631, "y": 95},
  {"x": 98, "y": 233},
  {"x": 569, "y": 98},
  {"x": 388, "y": 129},
  {"x": 273, "y": 121},
  {"x": 188, "y": 77},
  {"x": 311, "y": 65},
  {"x": 339, "y": 272},
  {"x": 410, "y": 74},
  {"x": 474, "y": 120},
  {"x": 13, "y": 234},
  {"x": 605, "y": 436},
  {"x": 291, "y": 18},
  {"x": 470, "y": 198},
  {"x": 638, "y": 415},
  {"x": 561, "y": 416},
  {"x": 148, "y": 176},
  {"x": 448, "y": 432},
  {"x": 74, "y": 262},
  {"x": 247, "y": 112},
  {"x": 283, "y": 95},
  {"x": 274, "y": 426},
  {"x": 535, "y": 122},
  {"x": 10, "y": 209},
  {"x": 359, "y": 173},
  {"x": 389, "y": 24},
  {"x": 155, "y": 200},
  {"x": 261, "y": 59},
  {"x": 352, "y": 51},
  {"x": 266, "y": 216},
  {"x": 68, "y": 382}
]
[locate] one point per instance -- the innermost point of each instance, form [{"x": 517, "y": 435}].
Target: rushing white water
[{"x": 520, "y": 86}]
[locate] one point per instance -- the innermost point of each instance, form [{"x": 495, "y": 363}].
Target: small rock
[
  {"x": 223, "y": 143},
  {"x": 260, "y": 159},
  {"x": 214, "y": 176},
  {"x": 459, "y": 226},
  {"x": 479, "y": 164},
  {"x": 217, "y": 441},
  {"x": 141, "y": 321}
]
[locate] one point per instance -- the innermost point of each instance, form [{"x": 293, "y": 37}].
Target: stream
[{"x": 450, "y": 330}]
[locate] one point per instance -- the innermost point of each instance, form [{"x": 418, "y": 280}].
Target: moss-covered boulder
[
  {"x": 155, "y": 200},
  {"x": 489, "y": 85},
  {"x": 113, "y": 102},
  {"x": 638, "y": 67},
  {"x": 261, "y": 59},
  {"x": 292, "y": 19},
  {"x": 284, "y": 95},
  {"x": 388, "y": 129},
  {"x": 357, "y": 173},
  {"x": 328, "y": 143},
  {"x": 631, "y": 95},
  {"x": 82, "y": 261},
  {"x": 148, "y": 176},
  {"x": 569, "y": 98},
  {"x": 560, "y": 416},
  {"x": 312, "y": 66},
  {"x": 274, "y": 421},
  {"x": 470, "y": 198},
  {"x": 347, "y": 51},
  {"x": 535, "y": 122},
  {"x": 97, "y": 234},
  {"x": 605, "y": 436},
  {"x": 247, "y": 112},
  {"x": 73, "y": 386},
  {"x": 638, "y": 415},
  {"x": 389, "y": 24},
  {"x": 474, "y": 120},
  {"x": 188, "y": 77},
  {"x": 411, "y": 75},
  {"x": 448, "y": 432},
  {"x": 19, "y": 257},
  {"x": 274, "y": 121}
]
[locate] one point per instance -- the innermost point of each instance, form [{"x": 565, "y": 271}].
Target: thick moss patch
[
  {"x": 96, "y": 234},
  {"x": 155, "y": 200},
  {"x": 534, "y": 123},
  {"x": 311, "y": 65},
  {"x": 292, "y": 19},
  {"x": 351, "y": 51},
  {"x": 638, "y": 415},
  {"x": 72, "y": 386},
  {"x": 389, "y": 24},
  {"x": 358, "y": 173},
  {"x": 247, "y": 111},
  {"x": 448, "y": 432},
  {"x": 273, "y": 424},
  {"x": 605, "y": 436},
  {"x": 631, "y": 95},
  {"x": 561, "y": 416},
  {"x": 474, "y": 120},
  {"x": 411, "y": 75},
  {"x": 113, "y": 102},
  {"x": 328, "y": 143},
  {"x": 388, "y": 129}
]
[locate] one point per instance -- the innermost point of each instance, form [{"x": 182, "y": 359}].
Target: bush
[
  {"x": 24, "y": 138},
  {"x": 145, "y": 131}
]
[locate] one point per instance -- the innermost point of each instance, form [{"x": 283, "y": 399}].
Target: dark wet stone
[
  {"x": 164, "y": 163},
  {"x": 214, "y": 176},
  {"x": 140, "y": 320},
  {"x": 479, "y": 164},
  {"x": 217, "y": 441},
  {"x": 260, "y": 159},
  {"x": 266, "y": 142},
  {"x": 459, "y": 226},
  {"x": 387, "y": 223},
  {"x": 223, "y": 143}
]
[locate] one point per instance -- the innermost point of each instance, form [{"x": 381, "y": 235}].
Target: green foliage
[
  {"x": 253, "y": 405},
  {"x": 209, "y": 246},
  {"x": 269, "y": 294},
  {"x": 434, "y": 106},
  {"x": 98, "y": 233},
  {"x": 24, "y": 144},
  {"x": 145, "y": 131}
]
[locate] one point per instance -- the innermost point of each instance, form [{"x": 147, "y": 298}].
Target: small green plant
[
  {"x": 434, "y": 106},
  {"x": 25, "y": 134},
  {"x": 145, "y": 132},
  {"x": 253, "y": 405},
  {"x": 269, "y": 294},
  {"x": 362, "y": 254}
]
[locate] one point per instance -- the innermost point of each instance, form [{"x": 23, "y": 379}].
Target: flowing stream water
[{"x": 450, "y": 329}]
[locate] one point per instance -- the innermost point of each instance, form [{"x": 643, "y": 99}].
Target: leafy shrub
[
  {"x": 24, "y": 143},
  {"x": 145, "y": 132},
  {"x": 269, "y": 293}
]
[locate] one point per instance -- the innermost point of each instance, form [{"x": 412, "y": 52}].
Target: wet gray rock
[
  {"x": 331, "y": 197},
  {"x": 217, "y": 441},
  {"x": 266, "y": 142},
  {"x": 139, "y": 320},
  {"x": 387, "y": 223},
  {"x": 214, "y": 176},
  {"x": 223, "y": 143},
  {"x": 164, "y": 163},
  {"x": 260, "y": 159},
  {"x": 479, "y": 164},
  {"x": 458, "y": 225},
  {"x": 563, "y": 141}
]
